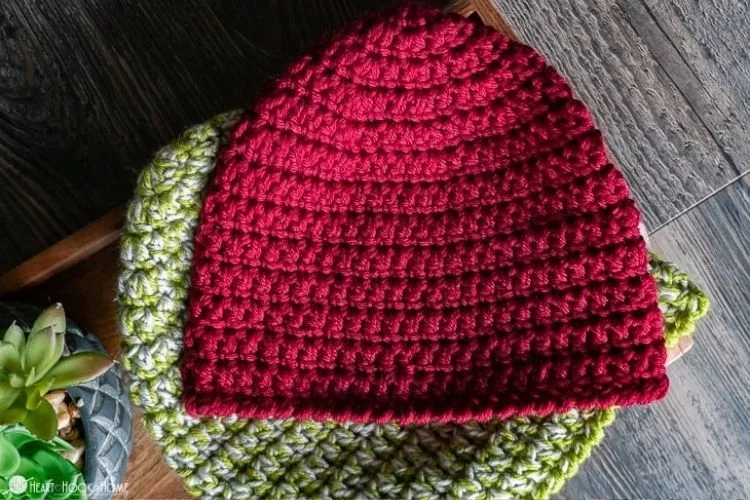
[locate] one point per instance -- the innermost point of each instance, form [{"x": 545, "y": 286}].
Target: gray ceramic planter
[{"x": 105, "y": 408}]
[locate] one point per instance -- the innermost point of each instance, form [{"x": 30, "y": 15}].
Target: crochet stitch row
[{"x": 231, "y": 458}]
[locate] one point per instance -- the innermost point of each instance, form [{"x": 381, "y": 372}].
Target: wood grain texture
[
  {"x": 657, "y": 135},
  {"x": 148, "y": 476},
  {"x": 72, "y": 249},
  {"x": 89, "y": 89},
  {"x": 703, "y": 47},
  {"x": 696, "y": 443}
]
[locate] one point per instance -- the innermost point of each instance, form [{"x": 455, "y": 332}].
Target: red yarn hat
[{"x": 419, "y": 223}]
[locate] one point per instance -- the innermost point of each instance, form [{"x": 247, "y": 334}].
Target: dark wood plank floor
[{"x": 669, "y": 83}]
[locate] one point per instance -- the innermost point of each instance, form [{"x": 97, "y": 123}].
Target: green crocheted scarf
[{"x": 522, "y": 457}]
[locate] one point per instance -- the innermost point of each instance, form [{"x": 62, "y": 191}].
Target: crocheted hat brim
[{"x": 419, "y": 224}]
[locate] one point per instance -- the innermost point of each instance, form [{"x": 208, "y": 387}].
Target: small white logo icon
[{"x": 17, "y": 485}]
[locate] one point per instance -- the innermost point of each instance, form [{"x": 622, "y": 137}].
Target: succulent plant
[
  {"x": 32, "y": 365},
  {"x": 34, "y": 468}
]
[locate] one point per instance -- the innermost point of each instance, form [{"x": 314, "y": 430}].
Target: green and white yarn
[
  {"x": 231, "y": 458},
  {"x": 680, "y": 300}
]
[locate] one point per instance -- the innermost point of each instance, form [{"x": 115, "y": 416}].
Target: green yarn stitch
[
  {"x": 231, "y": 458},
  {"x": 680, "y": 300}
]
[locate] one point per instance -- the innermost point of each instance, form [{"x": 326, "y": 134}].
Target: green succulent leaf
[
  {"x": 55, "y": 467},
  {"x": 36, "y": 393},
  {"x": 33, "y": 399},
  {"x": 8, "y": 394},
  {"x": 40, "y": 349},
  {"x": 79, "y": 368},
  {"x": 53, "y": 317},
  {"x": 43, "y": 386},
  {"x": 57, "y": 350},
  {"x": 14, "y": 335},
  {"x": 59, "y": 444},
  {"x": 10, "y": 459},
  {"x": 40, "y": 462},
  {"x": 16, "y": 380},
  {"x": 31, "y": 471},
  {"x": 57, "y": 354},
  {"x": 12, "y": 415},
  {"x": 10, "y": 360},
  {"x": 30, "y": 376},
  {"x": 19, "y": 439},
  {"x": 42, "y": 421}
]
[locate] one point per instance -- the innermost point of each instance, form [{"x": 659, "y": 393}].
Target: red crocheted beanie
[{"x": 419, "y": 223}]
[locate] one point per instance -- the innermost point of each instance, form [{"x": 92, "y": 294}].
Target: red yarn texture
[{"x": 419, "y": 223}]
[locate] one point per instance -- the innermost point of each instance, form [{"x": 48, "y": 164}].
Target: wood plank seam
[
  {"x": 65, "y": 253},
  {"x": 698, "y": 203},
  {"x": 680, "y": 87}
]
